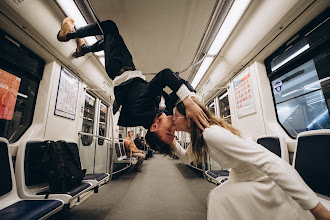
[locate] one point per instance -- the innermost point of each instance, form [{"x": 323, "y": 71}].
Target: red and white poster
[
  {"x": 244, "y": 94},
  {"x": 9, "y": 85}
]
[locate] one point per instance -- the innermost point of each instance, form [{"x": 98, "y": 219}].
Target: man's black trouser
[{"x": 116, "y": 53}]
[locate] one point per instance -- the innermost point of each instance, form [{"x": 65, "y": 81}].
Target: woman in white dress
[{"x": 260, "y": 186}]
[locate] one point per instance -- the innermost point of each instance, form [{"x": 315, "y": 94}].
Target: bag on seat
[{"x": 61, "y": 167}]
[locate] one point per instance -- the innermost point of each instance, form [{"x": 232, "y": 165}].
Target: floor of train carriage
[{"x": 165, "y": 189}]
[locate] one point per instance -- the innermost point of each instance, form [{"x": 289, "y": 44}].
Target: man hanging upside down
[{"x": 142, "y": 102}]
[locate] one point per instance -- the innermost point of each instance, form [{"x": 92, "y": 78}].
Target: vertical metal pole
[
  {"x": 112, "y": 141},
  {"x": 96, "y": 128}
]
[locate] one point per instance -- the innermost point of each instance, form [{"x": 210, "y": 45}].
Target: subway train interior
[{"x": 262, "y": 66}]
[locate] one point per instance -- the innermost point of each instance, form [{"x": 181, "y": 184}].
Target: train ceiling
[{"x": 160, "y": 34}]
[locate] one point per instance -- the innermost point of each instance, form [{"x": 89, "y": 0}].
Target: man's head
[
  {"x": 163, "y": 125},
  {"x": 138, "y": 135},
  {"x": 130, "y": 133},
  {"x": 161, "y": 133}
]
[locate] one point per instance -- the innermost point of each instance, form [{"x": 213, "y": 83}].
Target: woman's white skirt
[{"x": 252, "y": 201}]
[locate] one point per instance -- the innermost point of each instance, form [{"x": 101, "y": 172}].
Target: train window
[
  {"x": 224, "y": 107},
  {"x": 88, "y": 119},
  {"x": 212, "y": 107},
  {"x": 300, "y": 79},
  {"x": 102, "y": 123},
  {"x": 17, "y": 63}
]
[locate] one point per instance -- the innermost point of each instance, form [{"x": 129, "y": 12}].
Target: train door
[
  {"x": 87, "y": 142},
  {"x": 212, "y": 164},
  {"x": 224, "y": 110},
  {"x": 212, "y": 170},
  {"x": 102, "y": 145},
  {"x": 95, "y": 150}
]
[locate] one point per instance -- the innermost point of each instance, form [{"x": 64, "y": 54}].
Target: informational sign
[
  {"x": 244, "y": 94},
  {"x": 278, "y": 86},
  {"x": 67, "y": 95},
  {"x": 9, "y": 85}
]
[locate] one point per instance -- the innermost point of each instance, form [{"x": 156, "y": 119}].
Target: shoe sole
[{"x": 67, "y": 27}]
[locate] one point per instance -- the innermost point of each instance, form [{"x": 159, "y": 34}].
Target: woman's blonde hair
[{"x": 197, "y": 140}]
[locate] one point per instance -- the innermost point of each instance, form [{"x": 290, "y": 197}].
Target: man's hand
[{"x": 194, "y": 112}]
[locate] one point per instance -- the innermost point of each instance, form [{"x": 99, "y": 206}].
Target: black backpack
[{"x": 61, "y": 166}]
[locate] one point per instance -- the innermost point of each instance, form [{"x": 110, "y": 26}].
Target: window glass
[
  {"x": 17, "y": 62},
  {"x": 306, "y": 112},
  {"x": 301, "y": 80},
  {"x": 289, "y": 54},
  {"x": 302, "y": 96},
  {"x": 23, "y": 113},
  {"x": 88, "y": 119},
  {"x": 102, "y": 123},
  {"x": 212, "y": 107},
  {"x": 224, "y": 107},
  {"x": 297, "y": 82}
]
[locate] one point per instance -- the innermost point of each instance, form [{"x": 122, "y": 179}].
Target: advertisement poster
[
  {"x": 67, "y": 95},
  {"x": 9, "y": 85},
  {"x": 244, "y": 94}
]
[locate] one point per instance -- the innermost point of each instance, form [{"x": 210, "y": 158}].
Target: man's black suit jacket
[{"x": 140, "y": 99}]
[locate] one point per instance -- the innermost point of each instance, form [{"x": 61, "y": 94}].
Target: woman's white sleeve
[
  {"x": 183, "y": 154},
  {"x": 284, "y": 175}
]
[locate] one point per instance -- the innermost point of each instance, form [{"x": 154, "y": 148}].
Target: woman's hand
[
  {"x": 194, "y": 112},
  {"x": 320, "y": 212}
]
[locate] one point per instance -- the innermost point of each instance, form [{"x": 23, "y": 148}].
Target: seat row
[
  {"x": 121, "y": 157},
  {"x": 22, "y": 193}
]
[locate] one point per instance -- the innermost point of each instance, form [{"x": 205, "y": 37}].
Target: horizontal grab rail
[
  {"x": 94, "y": 135},
  {"x": 98, "y": 136}
]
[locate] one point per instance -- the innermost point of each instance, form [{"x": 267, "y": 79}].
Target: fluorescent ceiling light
[
  {"x": 291, "y": 57},
  {"x": 71, "y": 10},
  {"x": 202, "y": 70},
  {"x": 234, "y": 15}
]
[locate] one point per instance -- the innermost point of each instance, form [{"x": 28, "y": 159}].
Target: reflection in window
[
  {"x": 289, "y": 54},
  {"x": 88, "y": 119},
  {"x": 306, "y": 112},
  {"x": 20, "y": 62},
  {"x": 102, "y": 123},
  {"x": 299, "y": 73},
  {"x": 224, "y": 107},
  {"x": 212, "y": 108},
  {"x": 23, "y": 112},
  {"x": 300, "y": 98}
]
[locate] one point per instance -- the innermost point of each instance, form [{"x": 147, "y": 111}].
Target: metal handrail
[
  {"x": 98, "y": 136},
  {"x": 112, "y": 147}
]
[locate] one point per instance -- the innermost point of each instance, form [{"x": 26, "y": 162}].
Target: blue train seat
[
  {"x": 32, "y": 181},
  {"x": 312, "y": 161},
  {"x": 13, "y": 207},
  {"x": 276, "y": 144}
]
